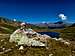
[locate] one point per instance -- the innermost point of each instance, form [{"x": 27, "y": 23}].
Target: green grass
[
  {"x": 68, "y": 33},
  {"x": 55, "y": 47},
  {"x": 9, "y": 29}
]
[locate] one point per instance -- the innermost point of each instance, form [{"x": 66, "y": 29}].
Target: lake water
[{"x": 52, "y": 34}]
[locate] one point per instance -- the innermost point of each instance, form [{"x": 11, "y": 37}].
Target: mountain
[
  {"x": 58, "y": 24},
  {"x": 73, "y": 25},
  {"x": 42, "y": 24}
]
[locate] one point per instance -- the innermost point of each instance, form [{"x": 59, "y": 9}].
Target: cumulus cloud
[
  {"x": 14, "y": 19},
  {"x": 62, "y": 16}
]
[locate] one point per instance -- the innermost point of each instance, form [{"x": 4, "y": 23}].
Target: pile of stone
[
  {"x": 28, "y": 37},
  {"x": 31, "y": 38}
]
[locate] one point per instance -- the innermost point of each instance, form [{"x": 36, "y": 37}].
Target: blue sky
[{"x": 36, "y": 11}]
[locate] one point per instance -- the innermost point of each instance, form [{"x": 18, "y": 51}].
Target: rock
[
  {"x": 63, "y": 40},
  {"x": 67, "y": 43},
  {"x": 37, "y": 43},
  {"x": 21, "y": 37},
  {"x": 30, "y": 31},
  {"x": 6, "y": 51},
  {"x": 47, "y": 47},
  {"x": 16, "y": 45},
  {"x": 50, "y": 54},
  {"x": 42, "y": 44},
  {"x": 3, "y": 48},
  {"x": 55, "y": 39},
  {"x": 60, "y": 39},
  {"x": 21, "y": 48},
  {"x": 2, "y": 40},
  {"x": 46, "y": 36}
]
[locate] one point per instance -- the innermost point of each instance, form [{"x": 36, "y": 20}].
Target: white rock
[
  {"x": 47, "y": 47},
  {"x": 50, "y": 54},
  {"x": 21, "y": 37},
  {"x": 60, "y": 39},
  {"x": 21, "y": 48},
  {"x": 42, "y": 44},
  {"x": 55, "y": 39},
  {"x": 46, "y": 36},
  {"x": 16, "y": 45},
  {"x": 2, "y": 40},
  {"x": 66, "y": 43},
  {"x": 3, "y": 48}
]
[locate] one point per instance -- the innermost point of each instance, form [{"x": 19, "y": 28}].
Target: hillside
[
  {"x": 8, "y": 26},
  {"x": 56, "y": 48}
]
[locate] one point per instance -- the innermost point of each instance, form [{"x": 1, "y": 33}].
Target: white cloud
[
  {"x": 43, "y": 22},
  {"x": 62, "y": 16},
  {"x": 14, "y": 19}
]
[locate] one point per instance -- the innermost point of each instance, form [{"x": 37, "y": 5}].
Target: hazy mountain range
[
  {"x": 7, "y": 25},
  {"x": 58, "y": 24}
]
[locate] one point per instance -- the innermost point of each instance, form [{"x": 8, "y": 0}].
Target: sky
[{"x": 37, "y": 11}]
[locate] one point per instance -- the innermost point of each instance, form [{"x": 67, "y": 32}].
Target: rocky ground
[{"x": 55, "y": 48}]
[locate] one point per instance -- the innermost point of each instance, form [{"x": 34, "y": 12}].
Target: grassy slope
[
  {"x": 55, "y": 47},
  {"x": 68, "y": 33},
  {"x": 5, "y": 28}
]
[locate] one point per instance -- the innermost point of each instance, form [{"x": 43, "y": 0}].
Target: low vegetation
[{"x": 56, "y": 48}]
